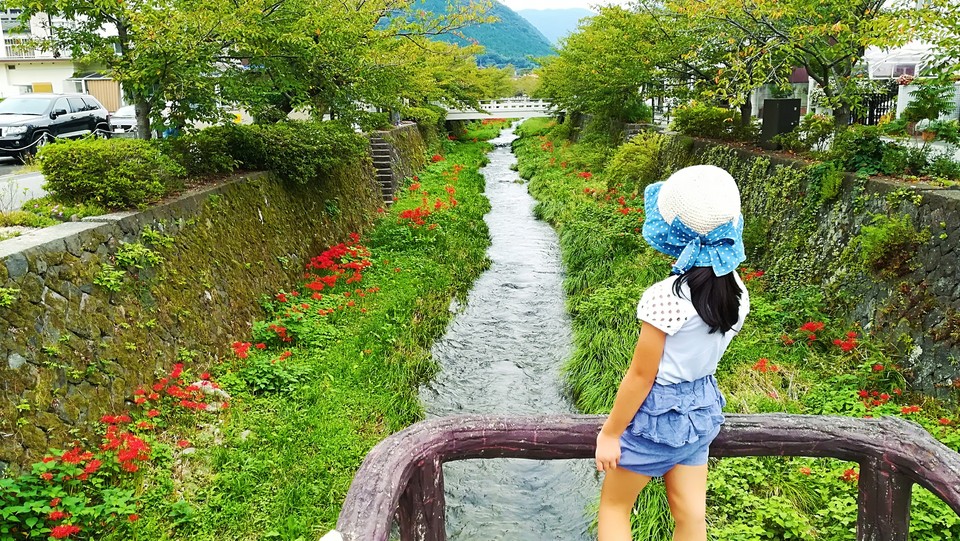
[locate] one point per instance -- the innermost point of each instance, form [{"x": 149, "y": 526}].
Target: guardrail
[{"x": 402, "y": 477}]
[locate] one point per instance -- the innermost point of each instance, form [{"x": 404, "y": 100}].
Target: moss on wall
[{"x": 73, "y": 348}]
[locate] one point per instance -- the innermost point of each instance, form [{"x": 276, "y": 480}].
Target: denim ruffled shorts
[{"x": 675, "y": 425}]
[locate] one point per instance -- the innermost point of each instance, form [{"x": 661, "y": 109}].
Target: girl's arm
[{"x": 633, "y": 391}]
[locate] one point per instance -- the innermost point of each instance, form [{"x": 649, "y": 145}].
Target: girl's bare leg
[
  {"x": 617, "y": 497},
  {"x": 687, "y": 494}
]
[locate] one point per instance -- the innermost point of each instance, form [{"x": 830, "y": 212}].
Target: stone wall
[
  {"x": 72, "y": 350},
  {"x": 801, "y": 233}
]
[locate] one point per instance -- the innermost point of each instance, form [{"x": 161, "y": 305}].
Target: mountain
[
  {"x": 511, "y": 40},
  {"x": 555, "y": 23}
]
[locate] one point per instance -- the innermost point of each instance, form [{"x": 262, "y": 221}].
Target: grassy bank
[
  {"x": 792, "y": 356},
  {"x": 334, "y": 368},
  {"x": 300, "y": 426}
]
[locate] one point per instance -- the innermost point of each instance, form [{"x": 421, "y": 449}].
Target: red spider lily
[
  {"x": 763, "y": 365},
  {"x": 812, "y": 326}
]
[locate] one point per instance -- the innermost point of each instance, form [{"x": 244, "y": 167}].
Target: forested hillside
[{"x": 510, "y": 40}]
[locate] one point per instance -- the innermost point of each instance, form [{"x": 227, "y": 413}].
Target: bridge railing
[{"x": 401, "y": 478}]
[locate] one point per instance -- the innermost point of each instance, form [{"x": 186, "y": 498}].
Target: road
[{"x": 17, "y": 186}]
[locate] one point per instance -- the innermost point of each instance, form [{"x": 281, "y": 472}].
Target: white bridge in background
[{"x": 505, "y": 108}]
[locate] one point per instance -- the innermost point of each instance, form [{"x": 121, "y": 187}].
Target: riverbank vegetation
[
  {"x": 796, "y": 353},
  {"x": 333, "y": 367}
]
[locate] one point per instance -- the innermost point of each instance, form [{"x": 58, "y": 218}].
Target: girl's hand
[{"x": 608, "y": 452}]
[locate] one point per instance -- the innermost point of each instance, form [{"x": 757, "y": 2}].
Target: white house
[{"x": 26, "y": 69}]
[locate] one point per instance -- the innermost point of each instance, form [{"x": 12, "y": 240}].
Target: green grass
[
  {"x": 608, "y": 266},
  {"x": 280, "y": 465}
]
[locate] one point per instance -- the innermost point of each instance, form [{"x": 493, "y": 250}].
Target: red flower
[
  {"x": 58, "y": 515},
  {"x": 436, "y": 158},
  {"x": 92, "y": 467},
  {"x": 944, "y": 421},
  {"x": 863, "y": 394},
  {"x": 879, "y": 368},
  {"x": 54, "y": 502},
  {"x": 177, "y": 370},
  {"x": 787, "y": 341},
  {"x": 812, "y": 326},
  {"x": 64, "y": 530},
  {"x": 153, "y": 413},
  {"x": 805, "y": 470},
  {"x": 46, "y": 476},
  {"x": 183, "y": 444},
  {"x": 850, "y": 475},
  {"x": 134, "y": 517},
  {"x": 205, "y": 376},
  {"x": 585, "y": 174}
]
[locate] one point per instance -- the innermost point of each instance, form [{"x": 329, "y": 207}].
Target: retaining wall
[
  {"x": 72, "y": 350},
  {"x": 800, "y": 237}
]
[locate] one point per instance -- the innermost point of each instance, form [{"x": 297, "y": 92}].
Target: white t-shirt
[{"x": 690, "y": 351}]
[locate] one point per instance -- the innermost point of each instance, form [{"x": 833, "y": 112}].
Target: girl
[{"x": 668, "y": 408}]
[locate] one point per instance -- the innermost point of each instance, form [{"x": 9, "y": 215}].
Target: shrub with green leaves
[
  {"x": 859, "y": 149},
  {"x": 113, "y": 173},
  {"x": 888, "y": 245},
  {"x": 206, "y": 152},
  {"x": 699, "y": 120},
  {"x": 929, "y": 101},
  {"x": 812, "y": 134},
  {"x": 636, "y": 163},
  {"x": 302, "y": 152}
]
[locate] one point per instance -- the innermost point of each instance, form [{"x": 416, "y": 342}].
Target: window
[
  {"x": 904, "y": 69},
  {"x": 77, "y": 105},
  {"x": 61, "y": 104},
  {"x": 92, "y": 103}
]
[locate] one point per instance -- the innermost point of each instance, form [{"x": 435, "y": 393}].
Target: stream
[{"x": 502, "y": 354}]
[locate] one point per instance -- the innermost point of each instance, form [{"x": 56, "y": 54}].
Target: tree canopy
[
  {"x": 177, "y": 60},
  {"x": 721, "y": 50}
]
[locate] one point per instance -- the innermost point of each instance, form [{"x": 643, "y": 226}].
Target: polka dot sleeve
[{"x": 663, "y": 309}]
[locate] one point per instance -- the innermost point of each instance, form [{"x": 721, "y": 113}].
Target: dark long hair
[{"x": 716, "y": 298}]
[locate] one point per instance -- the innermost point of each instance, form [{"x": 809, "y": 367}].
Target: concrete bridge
[{"x": 505, "y": 108}]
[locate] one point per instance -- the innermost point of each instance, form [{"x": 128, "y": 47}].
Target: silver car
[{"x": 124, "y": 120}]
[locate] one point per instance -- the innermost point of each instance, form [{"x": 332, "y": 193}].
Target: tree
[
  {"x": 337, "y": 58},
  {"x": 160, "y": 51},
  {"x": 600, "y": 69},
  {"x": 827, "y": 37}
]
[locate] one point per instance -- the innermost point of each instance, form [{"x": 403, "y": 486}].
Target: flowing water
[{"x": 501, "y": 355}]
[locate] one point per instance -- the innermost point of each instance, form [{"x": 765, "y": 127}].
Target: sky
[{"x": 517, "y": 5}]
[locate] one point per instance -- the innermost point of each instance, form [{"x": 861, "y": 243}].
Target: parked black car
[{"x": 29, "y": 121}]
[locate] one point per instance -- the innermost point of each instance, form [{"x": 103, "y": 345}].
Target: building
[{"x": 27, "y": 69}]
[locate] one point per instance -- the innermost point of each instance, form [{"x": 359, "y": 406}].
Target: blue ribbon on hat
[{"x": 722, "y": 248}]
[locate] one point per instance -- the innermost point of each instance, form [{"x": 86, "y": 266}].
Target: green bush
[
  {"x": 943, "y": 166},
  {"x": 813, "y": 133},
  {"x": 699, "y": 120},
  {"x": 635, "y": 164},
  {"x": 302, "y": 152},
  {"x": 429, "y": 119},
  {"x": 114, "y": 173},
  {"x": 888, "y": 245},
  {"x": 206, "y": 152},
  {"x": 928, "y": 101},
  {"x": 829, "y": 177},
  {"x": 859, "y": 149}
]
